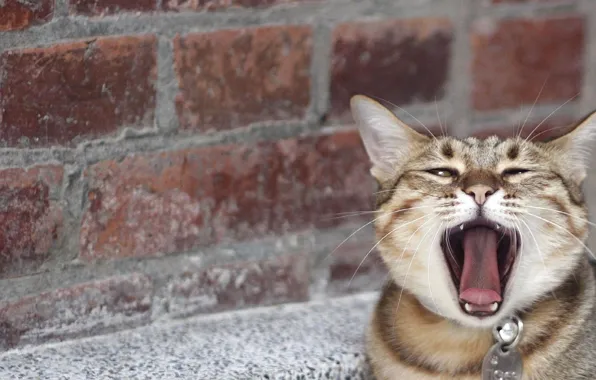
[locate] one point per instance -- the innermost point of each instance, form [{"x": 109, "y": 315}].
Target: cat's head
[{"x": 476, "y": 228}]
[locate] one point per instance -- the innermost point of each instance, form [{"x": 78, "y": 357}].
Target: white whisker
[
  {"x": 428, "y": 270},
  {"x": 379, "y": 242},
  {"x": 564, "y": 229},
  {"x": 372, "y": 221},
  {"x": 533, "y": 104},
  {"x": 549, "y": 115},
  {"x": 537, "y": 248},
  {"x": 564, "y": 213},
  {"x": 521, "y": 248},
  {"x": 408, "y": 270},
  {"x": 443, "y": 132}
]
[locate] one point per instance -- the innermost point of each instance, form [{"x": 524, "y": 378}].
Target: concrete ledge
[{"x": 316, "y": 340}]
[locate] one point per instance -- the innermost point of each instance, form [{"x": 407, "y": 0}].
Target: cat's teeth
[
  {"x": 494, "y": 307},
  {"x": 461, "y": 227},
  {"x": 468, "y": 307},
  {"x": 498, "y": 226}
]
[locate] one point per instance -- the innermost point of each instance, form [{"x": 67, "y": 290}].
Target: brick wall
[{"x": 167, "y": 158}]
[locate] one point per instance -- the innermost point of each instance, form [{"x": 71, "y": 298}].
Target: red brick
[
  {"x": 30, "y": 219},
  {"x": 533, "y": 130},
  {"x": 175, "y": 201},
  {"x": 110, "y": 83},
  {"x": 513, "y": 59},
  {"x": 108, "y": 7},
  {"x": 400, "y": 61},
  {"x": 85, "y": 309},
  {"x": 233, "y": 78},
  {"x": 351, "y": 270},
  {"x": 211, "y": 5},
  {"x": 18, "y": 14},
  {"x": 268, "y": 282}
]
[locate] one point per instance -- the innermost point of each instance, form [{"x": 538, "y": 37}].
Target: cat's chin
[{"x": 480, "y": 255}]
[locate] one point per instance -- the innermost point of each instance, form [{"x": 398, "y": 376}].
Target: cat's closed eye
[
  {"x": 514, "y": 171},
  {"x": 443, "y": 172}
]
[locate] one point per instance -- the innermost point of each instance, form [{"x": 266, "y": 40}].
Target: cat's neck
[{"x": 431, "y": 344}]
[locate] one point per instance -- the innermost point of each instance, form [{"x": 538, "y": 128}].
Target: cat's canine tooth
[
  {"x": 494, "y": 307},
  {"x": 498, "y": 226},
  {"x": 461, "y": 227},
  {"x": 468, "y": 307}
]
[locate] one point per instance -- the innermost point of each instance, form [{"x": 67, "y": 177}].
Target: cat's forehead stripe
[{"x": 447, "y": 149}]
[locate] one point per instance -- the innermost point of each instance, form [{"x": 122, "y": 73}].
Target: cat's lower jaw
[{"x": 411, "y": 342}]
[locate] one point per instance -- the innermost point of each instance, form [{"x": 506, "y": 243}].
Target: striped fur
[{"x": 418, "y": 330}]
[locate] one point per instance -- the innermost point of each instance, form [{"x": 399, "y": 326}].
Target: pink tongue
[{"x": 480, "y": 283}]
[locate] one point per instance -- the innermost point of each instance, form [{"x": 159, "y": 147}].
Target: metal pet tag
[
  {"x": 503, "y": 361},
  {"x": 502, "y": 365}
]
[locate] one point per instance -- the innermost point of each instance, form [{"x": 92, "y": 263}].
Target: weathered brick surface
[
  {"x": 514, "y": 59},
  {"x": 18, "y": 14},
  {"x": 108, "y": 7},
  {"x": 400, "y": 61},
  {"x": 30, "y": 217},
  {"x": 232, "y": 78},
  {"x": 174, "y": 201},
  {"x": 210, "y": 5},
  {"x": 110, "y": 83},
  {"x": 84, "y": 309},
  {"x": 267, "y": 282}
]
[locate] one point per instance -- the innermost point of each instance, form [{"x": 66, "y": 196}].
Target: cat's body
[
  {"x": 559, "y": 340},
  {"x": 473, "y": 231}
]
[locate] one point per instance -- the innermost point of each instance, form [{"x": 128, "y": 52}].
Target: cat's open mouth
[{"x": 480, "y": 255}]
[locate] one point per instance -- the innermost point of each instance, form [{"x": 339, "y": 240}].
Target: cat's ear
[
  {"x": 387, "y": 140},
  {"x": 577, "y": 146}
]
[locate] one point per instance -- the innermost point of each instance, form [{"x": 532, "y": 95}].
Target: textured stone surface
[
  {"x": 516, "y": 60},
  {"x": 268, "y": 282},
  {"x": 400, "y": 61},
  {"x": 110, "y": 83},
  {"x": 232, "y": 78},
  {"x": 90, "y": 308},
  {"x": 321, "y": 340},
  {"x": 210, "y": 5},
  {"x": 18, "y": 14},
  {"x": 108, "y": 7},
  {"x": 30, "y": 217},
  {"x": 174, "y": 201}
]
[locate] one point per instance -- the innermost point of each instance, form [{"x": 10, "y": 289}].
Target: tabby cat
[{"x": 473, "y": 230}]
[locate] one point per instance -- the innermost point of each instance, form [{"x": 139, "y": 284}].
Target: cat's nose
[{"x": 480, "y": 193}]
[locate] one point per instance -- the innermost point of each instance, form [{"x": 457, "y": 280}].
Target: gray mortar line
[
  {"x": 315, "y": 243},
  {"x": 60, "y": 8},
  {"x": 93, "y": 151},
  {"x": 73, "y": 199},
  {"x": 588, "y": 104},
  {"x": 524, "y": 10},
  {"x": 167, "y": 86},
  {"x": 460, "y": 79},
  {"x": 320, "y": 70},
  {"x": 588, "y": 97},
  {"x": 64, "y": 29}
]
